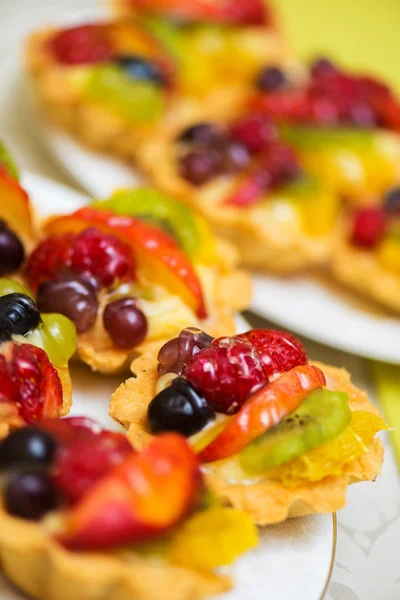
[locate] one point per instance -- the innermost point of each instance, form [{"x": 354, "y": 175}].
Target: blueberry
[
  {"x": 29, "y": 493},
  {"x": 179, "y": 408},
  {"x": 27, "y": 445},
  {"x": 271, "y": 79},
  {"x": 18, "y": 314},
  {"x": 202, "y": 133},
  {"x": 12, "y": 251},
  {"x": 392, "y": 201},
  {"x": 139, "y": 69}
]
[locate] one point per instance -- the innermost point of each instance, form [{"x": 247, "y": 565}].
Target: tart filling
[
  {"x": 131, "y": 270},
  {"x": 273, "y": 431},
  {"x": 82, "y": 493}
]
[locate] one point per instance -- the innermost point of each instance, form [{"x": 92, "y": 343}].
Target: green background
[{"x": 363, "y": 34}]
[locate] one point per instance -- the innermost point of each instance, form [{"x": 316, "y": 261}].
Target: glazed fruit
[
  {"x": 18, "y": 314},
  {"x": 279, "y": 350},
  {"x": 85, "y": 44},
  {"x": 180, "y": 408},
  {"x": 265, "y": 409},
  {"x": 132, "y": 492},
  {"x": 12, "y": 251},
  {"x": 201, "y": 133},
  {"x": 9, "y": 286},
  {"x": 227, "y": 373},
  {"x": 51, "y": 257},
  {"x": 56, "y": 335},
  {"x": 322, "y": 416},
  {"x": 71, "y": 295},
  {"x": 198, "y": 166},
  {"x": 27, "y": 445},
  {"x": 15, "y": 206},
  {"x": 271, "y": 79},
  {"x": 392, "y": 201},
  {"x": 369, "y": 226},
  {"x": 86, "y": 458},
  {"x": 176, "y": 354},
  {"x": 7, "y": 162},
  {"x": 125, "y": 323},
  {"x": 29, "y": 381},
  {"x": 255, "y": 132},
  {"x": 140, "y": 69},
  {"x": 29, "y": 493},
  {"x": 70, "y": 429}
]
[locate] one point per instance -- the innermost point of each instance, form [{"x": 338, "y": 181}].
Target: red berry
[
  {"x": 70, "y": 429},
  {"x": 368, "y": 227},
  {"x": 49, "y": 258},
  {"x": 227, "y": 373},
  {"x": 279, "y": 350},
  {"x": 85, "y": 44},
  {"x": 30, "y": 381},
  {"x": 254, "y": 132},
  {"x": 83, "y": 461}
]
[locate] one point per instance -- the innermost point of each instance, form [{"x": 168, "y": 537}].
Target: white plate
[{"x": 294, "y": 560}]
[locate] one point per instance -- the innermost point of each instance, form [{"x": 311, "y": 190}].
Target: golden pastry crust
[
  {"x": 267, "y": 236},
  {"x": 43, "y": 569},
  {"x": 267, "y": 500},
  {"x": 360, "y": 270}
]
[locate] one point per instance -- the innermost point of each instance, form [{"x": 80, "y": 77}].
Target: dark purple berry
[
  {"x": 71, "y": 295},
  {"x": 198, "y": 166},
  {"x": 271, "y": 79},
  {"x": 229, "y": 156},
  {"x": 176, "y": 354},
  {"x": 125, "y": 323},
  {"x": 392, "y": 201},
  {"x": 12, "y": 251},
  {"x": 179, "y": 408},
  {"x": 29, "y": 493},
  {"x": 323, "y": 67},
  {"x": 27, "y": 445},
  {"x": 18, "y": 314},
  {"x": 202, "y": 133}
]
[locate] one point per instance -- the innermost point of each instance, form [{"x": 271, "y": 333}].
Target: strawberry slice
[
  {"x": 142, "y": 498},
  {"x": 263, "y": 410},
  {"x": 157, "y": 253}
]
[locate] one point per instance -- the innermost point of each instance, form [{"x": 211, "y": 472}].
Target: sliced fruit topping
[
  {"x": 369, "y": 226},
  {"x": 12, "y": 251},
  {"x": 125, "y": 323},
  {"x": 323, "y": 415},
  {"x": 27, "y": 445},
  {"x": 180, "y": 408},
  {"x": 176, "y": 354},
  {"x": 7, "y": 162},
  {"x": 18, "y": 314},
  {"x": 279, "y": 350},
  {"x": 84, "y": 460},
  {"x": 227, "y": 373},
  {"x": 56, "y": 335},
  {"x": 255, "y": 132},
  {"x": 331, "y": 457},
  {"x": 157, "y": 254},
  {"x": 85, "y": 44},
  {"x": 14, "y": 206},
  {"x": 29, "y": 493},
  {"x": 213, "y": 538},
  {"x": 71, "y": 295},
  {"x": 264, "y": 409},
  {"x": 139, "y": 500},
  {"x": 70, "y": 429},
  {"x": 388, "y": 254},
  {"x": 29, "y": 381}
]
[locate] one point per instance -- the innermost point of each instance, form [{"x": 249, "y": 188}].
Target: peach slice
[
  {"x": 264, "y": 409},
  {"x": 15, "y": 207},
  {"x": 158, "y": 255},
  {"x": 139, "y": 500}
]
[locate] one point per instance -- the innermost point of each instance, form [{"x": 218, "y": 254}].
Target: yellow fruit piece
[
  {"x": 213, "y": 538},
  {"x": 206, "y": 251},
  {"x": 319, "y": 212},
  {"x": 389, "y": 255},
  {"x": 332, "y": 457}
]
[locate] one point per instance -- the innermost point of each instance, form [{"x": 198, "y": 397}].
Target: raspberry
[
  {"x": 254, "y": 132},
  {"x": 368, "y": 227},
  {"x": 279, "y": 350},
  {"x": 83, "y": 461},
  {"x": 227, "y": 373},
  {"x": 70, "y": 429},
  {"x": 103, "y": 256},
  {"x": 29, "y": 380},
  {"x": 86, "y": 44},
  {"x": 51, "y": 256}
]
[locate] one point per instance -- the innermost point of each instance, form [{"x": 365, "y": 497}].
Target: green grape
[
  {"x": 56, "y": 336},
  {"x": 9, "y": 286}
]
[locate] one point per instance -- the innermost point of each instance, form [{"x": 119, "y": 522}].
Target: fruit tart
[
  {"x": 133, "y": 270},
  {"x": 345, "y": 125},
  {"x": 34, "y": 353},
  {"x": 252, "y": 187},
  {"x": 278, "y": 436},
  {"x": 85, "y": 516},
  {"x": 367, "y": 255}
]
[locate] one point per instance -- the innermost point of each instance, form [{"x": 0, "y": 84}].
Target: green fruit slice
[
  {"x": 137, "y": 102},
  {"x": 8, "y": 162},
  {"x": 310, "y": 137},
  {"x": 322, "y": 416},
  {"x": 168, "y": 34},
  {"x": 160, "y": 210}
]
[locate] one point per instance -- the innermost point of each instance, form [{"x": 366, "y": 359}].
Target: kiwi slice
[
  {"x": 156, "y": 208},
  {"x": 322, "y": 416},
  {"x": 7, "y": 162},
  {"x": 339, "y": 137}
]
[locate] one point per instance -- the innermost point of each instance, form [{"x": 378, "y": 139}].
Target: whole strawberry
[
  {"x": 279, "y": 350},
  {"x": 227, "y": 373}
]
